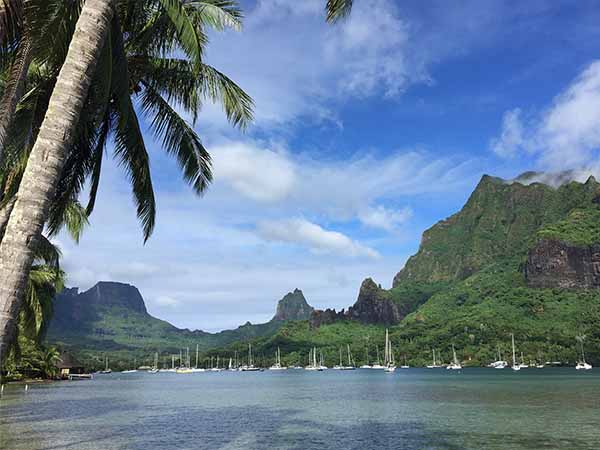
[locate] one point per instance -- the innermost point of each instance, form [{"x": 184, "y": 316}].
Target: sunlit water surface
[{"x": 362, "y": 409}]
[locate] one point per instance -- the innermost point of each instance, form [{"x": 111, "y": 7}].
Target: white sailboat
[
  {"x": 435, "y": 364},
  {"x": 154, "y": 368},
  {"x": 277, "y": 365},
  {"x": 312, "y": 361},
  {"x": 367, "y": 365},
  {"x": 405, "y": 365},
  {"x": 106, "y": 368},
  {"x": 454, "y": 365},
  {"x": 515, "y": 366},
  {"x": 250, "y": 366},
  {"x": 377, "y": 365},
  {"x": 522, "y": 363},
  {"x": 184, "y": 367},
  {"x": 197, "y": 369},
  {"x": 134, "y": 367},
  {"x": 499, "y": 363},
  {"x": 390, "y": 365},
  {"x": 583, "y": 365}
]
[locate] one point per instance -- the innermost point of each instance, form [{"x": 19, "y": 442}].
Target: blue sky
[{"x": 366, "y": 133}]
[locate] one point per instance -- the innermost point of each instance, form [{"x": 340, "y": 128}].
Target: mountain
[
  {"x": 520, "y": 257},
  {"x": 293, "y": 306},
  {"x": 112, "y": 317},
  {"x": 499, "y": 221}
]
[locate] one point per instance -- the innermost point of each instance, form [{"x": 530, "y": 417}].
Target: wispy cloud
[
  {"x": 301, "y": 231},
  {"x": 565, "y": 135}
]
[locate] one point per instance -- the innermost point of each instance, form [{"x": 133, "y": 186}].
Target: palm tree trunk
[
  {"x": 14, "y": 90},
  {"x": 5, "y": 212},
  {"x": 47, "y": 159}
]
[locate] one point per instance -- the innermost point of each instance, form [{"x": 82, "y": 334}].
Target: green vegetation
[
  {"x": 499, "y": 221},
  {"x": 581, "y": 227}
]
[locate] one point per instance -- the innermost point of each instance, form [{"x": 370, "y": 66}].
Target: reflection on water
[{"x": 363, "y": 409}]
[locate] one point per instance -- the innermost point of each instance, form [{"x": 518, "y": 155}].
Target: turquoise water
[{"x": 362, "y": 409}]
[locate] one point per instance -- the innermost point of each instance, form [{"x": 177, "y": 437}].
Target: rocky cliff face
[
  {"x": 374, "y": 305},
  {"x": 556, "y": 264},
  {"x": 293, "y": 306},
  {"x": 498, "y": 222}
]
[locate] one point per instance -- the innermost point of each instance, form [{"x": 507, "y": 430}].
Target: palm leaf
[
  {"x": 338, "y": 10},
  {"x": 190, "y": 37},
  {"x": 179, "y": 139}
]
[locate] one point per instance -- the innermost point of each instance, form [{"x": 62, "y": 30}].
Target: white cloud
[
  {"x": 566, "y": 135},
  {"x": 303, "y": 232},
  {"x": 295, "y": 65},
  {"x": 569, "y": 132},
  {"x": 511, "y": 140},
  {"x": 337, "y": 189},
  {"x": 384, "y": 218},
  {"x": 165, "y": 300},
  {"x": 260, "y": 174}
]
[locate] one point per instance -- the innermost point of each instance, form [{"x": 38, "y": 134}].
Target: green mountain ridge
[
  {"x": 470, "y": 284},
  {"x": 467, "y": 285},
  {"x": 112, "y": 318}
]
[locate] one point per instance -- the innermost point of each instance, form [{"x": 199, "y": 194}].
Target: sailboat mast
[
  {"x": 349, "y": 360},
  {"x": 196, "y": 356},
  {"x": 513, "y": 350}
]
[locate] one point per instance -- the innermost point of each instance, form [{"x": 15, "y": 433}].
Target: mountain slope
[
  {"x": 499, "y": 221},
  {"x": 113, "y": 317},
  {"x": 472, "y": 283}
]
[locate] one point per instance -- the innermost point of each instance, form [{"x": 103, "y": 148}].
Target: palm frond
[
  {"x": 191, "y": 38},
  {"x": 130, "y": 148},
  {"x": 178, "y": 138},
  {"x": 217, "y": 14},
  {"x": 238, "y": 105},
  {"x": 338, "y": 9}
]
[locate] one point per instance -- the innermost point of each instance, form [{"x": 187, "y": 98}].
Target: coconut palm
[
  {"x": 338, "y": 9},
  {"x": 154, "y": 29}
]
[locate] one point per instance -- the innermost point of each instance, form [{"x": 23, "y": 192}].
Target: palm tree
[
  {"x": 154, "y": 25},
  {"x": 338, "y": 9}
]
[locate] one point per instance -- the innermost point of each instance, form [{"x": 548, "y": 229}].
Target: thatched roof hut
[{"x": 68, "y": 365}]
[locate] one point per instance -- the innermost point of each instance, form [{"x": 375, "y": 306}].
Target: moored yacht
[
  {"x": 454, "y": 365},
  {"x": 390, "y": 364},
  {"x": 277, "y": 365},
  {"x": 515, "y": 366},
  {"x": 583, "y": 365},
  {"x": 436, "y": 364}
]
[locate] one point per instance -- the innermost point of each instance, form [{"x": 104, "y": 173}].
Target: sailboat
[
  {"x": 277, "y": 365},
  {"x": 339, "y": 366},
  {"x": 454, "y": 365},
  {"x": 216, "y": 368},
  {"x": 377, "y": 364},
  {"x": 184, "y": 368},
  {"x": 583, "y": 365},
  {"x": 405, "y": 365},
  {"x": 390, "y": 365},
  {"x": 322, "y": 365},
  {"x": 522, "y": 363},
  {"x": 134, "y": 367},
  {"x": 197, "y": 369},
  {"x": 499, "y": 363},
  {"x": 233, "y": 365},
  {"x": 367, "y": 365},
  {"x": 435, "y": 364},
  {"x": 250, "y": 366},
  {"x": 106, "y": 369},
  {"x": 515, "y": 366},
  {"x": 312, "y": 361},
  {"x": 154, "y": 368}
]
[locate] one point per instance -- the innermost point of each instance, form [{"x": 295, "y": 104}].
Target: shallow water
[{"x": 362, "y": 409}]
